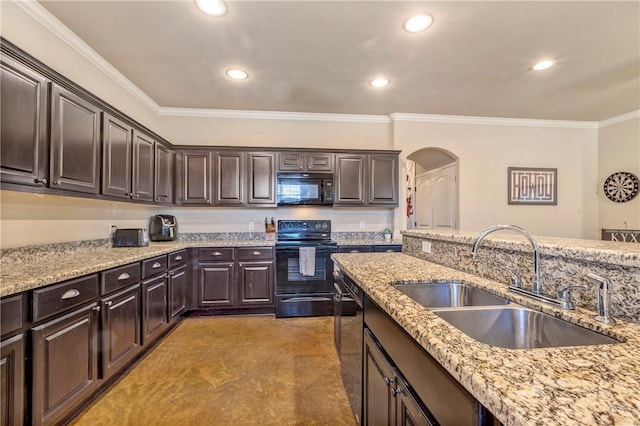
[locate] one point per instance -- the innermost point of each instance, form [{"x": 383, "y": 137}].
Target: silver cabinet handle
[
  {"x": 109, "y": 303},
  {"x": 354, "y": 251},
  {"x": 208, "y": 201},
  {"x": 256, "y": 253},
  {"x": 216, "y": 253},
  {"x": 389, "y": 251},
  {"x": 178, "y": 257},
  {"x": 123, "y": 276},
  {"x": 156, "y": 265},
  {"x": 70, "y": 294},
  {"x": 56, "y": 182},
  {"x": 42, "y": 181},
  {"x": 97, "y": 308},
  {"x": 137, "y": 195}
]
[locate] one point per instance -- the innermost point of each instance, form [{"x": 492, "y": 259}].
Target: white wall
[
  {"x": 486, "y": 150},
  {"x": 618, "y": 151}
]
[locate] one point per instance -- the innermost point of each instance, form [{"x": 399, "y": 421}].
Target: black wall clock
[{"x": 621, "y": 187}]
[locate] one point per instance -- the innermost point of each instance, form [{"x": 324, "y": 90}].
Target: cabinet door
[
  {"x": 262, "y": 179},
  {"x": 377, "y": 384},
  {"x": 23, "y": 124},
  {"x": 12, "y": 381},
  {"x": 350, "y": 181},
  {"x": 216, "y": 285},
  {"x": 383, "y": 179},
  {"x": 116, "y": 157},
  {"x": 65, "y": 364},
  {"x": 143, "y": 166},
  {"x": 408, "y": 411},
  {"x": 230, "y": 172},
  {"x": 177, "y": 292},
  {"x": 164, "y": 174},
  {"x": 195, "y": 178},
  {"x": 255, "y": 282},
  {"x": 154, "y": 307},
  {"x": 290, "y": 162},
  {"x": 75, "y": 143},
  {"x": 120, "y": 329},
  {"x": 319, "y": 162}
]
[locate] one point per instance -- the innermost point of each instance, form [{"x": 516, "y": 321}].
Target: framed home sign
[{"x": 533, "y": 186}]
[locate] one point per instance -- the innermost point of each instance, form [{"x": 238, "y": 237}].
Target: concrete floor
[{"x": 243, "y": 370}]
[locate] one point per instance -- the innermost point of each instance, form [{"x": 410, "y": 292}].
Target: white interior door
[{"x": 437, "y": 198}]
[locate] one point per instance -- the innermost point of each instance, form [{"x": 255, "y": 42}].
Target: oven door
[{"x": 289, "y": 280}]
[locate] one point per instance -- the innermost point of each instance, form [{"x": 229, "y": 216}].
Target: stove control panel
[{"x": 296, "y": 226}]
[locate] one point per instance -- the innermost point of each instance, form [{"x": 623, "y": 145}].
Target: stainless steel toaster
[{"x": 131, "y": 237}]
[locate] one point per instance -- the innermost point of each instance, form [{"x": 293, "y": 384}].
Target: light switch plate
[{"x": 362, "y": 224}]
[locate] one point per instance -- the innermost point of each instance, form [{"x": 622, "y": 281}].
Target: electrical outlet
[
  {"x": 112, "y": 230},
  {"x": 362, "y": 224},
  {"x": 251, "y": 225},
  {"x": 426, "y": 247}
]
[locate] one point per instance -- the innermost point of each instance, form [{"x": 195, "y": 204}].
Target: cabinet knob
[
  {"x": 41, "y": 181},
  {"x": 108, "y": 303},
  {"x": 256, "y": 253},
  {"x": 396, "y": 391},
  {"x": 137, "y": 195},
  {"x": 208, "y": 201},
  {"x": 216, "y": 253},
  {"x": 56, "y": 182},
  {"x": 97, "y": 308},
  {"x": 388, "y": 380}
]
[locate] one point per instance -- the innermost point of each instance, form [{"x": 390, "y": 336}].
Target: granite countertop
[
  {"x": 365, "y": 241},
  {"x": 581, "y": 385},
  {"x": 26, "y": 270}
]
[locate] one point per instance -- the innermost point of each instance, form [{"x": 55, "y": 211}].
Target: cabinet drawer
[
  {"x": 117, "y": 278},
  {"x": 388, "y": 248},
  {"x": 154, "y": 266},
  {"x": 177, "y": 258},
  {"x": 12, "y": 313},
  {"x": 355, "y": 249},
  {"x": 247, "y": 254},
  {"x": 215, "y": 254},
  {"x": 61, "y": 297}
]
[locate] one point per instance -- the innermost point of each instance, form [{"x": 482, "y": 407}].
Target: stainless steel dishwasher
[{"x": 349, "y": 339}]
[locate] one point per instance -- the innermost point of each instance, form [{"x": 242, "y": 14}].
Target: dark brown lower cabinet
[
  {"x": 12, "y": 381},
  {"x": 255, "y": 282},
  {"x": 387, "y": 399},
  {"x": 65, "y": 364},
  {"x": 121, "y": 340},
  {"x": 177, "y": 292},
  {"x": 154, "y": 307},
  {"x": 216, "y": 284}
]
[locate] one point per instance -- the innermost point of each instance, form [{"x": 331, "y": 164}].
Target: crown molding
[
  {"x": 620, "y": 118},
  {"x": 494, "y": 121},
  {"x": 272, "y": 115},
  {"x": 50, "y": 22}
]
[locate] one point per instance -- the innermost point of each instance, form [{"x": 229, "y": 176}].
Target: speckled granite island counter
[
  {"x": 585, "y": 385},
  {"x": 32, "y": 267}
]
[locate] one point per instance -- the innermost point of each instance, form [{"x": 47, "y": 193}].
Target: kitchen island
[{"x": 553, "y": 386}]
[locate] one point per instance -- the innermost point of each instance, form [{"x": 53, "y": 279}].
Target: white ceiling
[{"x": 318, "y": 56}]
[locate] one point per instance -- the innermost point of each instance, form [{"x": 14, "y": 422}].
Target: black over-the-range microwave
[{"x": 304, "y": 189}]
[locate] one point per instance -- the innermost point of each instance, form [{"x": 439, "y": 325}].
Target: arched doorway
[{"x": 434, "y": 193}]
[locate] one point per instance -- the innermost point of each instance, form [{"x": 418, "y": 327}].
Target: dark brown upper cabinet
[
  {"x": 23, "y": 124},
  {"x": 366, "y": 180},
  {"x": 75, "y": 142},
  {"x": 143, "y": 166},
  {"x": 305, "y": 162},
  {"x": 383, "y": 179},
  {"x": 230, "y": 174},
  {"x": 193, "y": 174},
  {"x": 350, "y": 180},
  {"x": 164, "y": 174},
  {"x": 116, "y": 157},
  {"x": 261, "y": 178}
]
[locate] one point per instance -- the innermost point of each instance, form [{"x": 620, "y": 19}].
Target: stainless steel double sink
[{"x": 494, "y": 320}]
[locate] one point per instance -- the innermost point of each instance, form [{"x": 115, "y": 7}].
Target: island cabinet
[
  {"x": 305, "y": 162},
  {"x": 64, "y": 342},
  {"x": 236, "y": 279},
  {"x": 403, "y": 384},
  {"x": 13, "y": 313},
  {"x": 378, "y": 248},
  {"x": 193, "y": 176},
  {"x": 75, "y": 142},
  {"x": 366, "y": 180},
  {"x": 23, "y": 124}
]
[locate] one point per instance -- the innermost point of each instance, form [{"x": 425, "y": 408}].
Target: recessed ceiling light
[
  {"x": 379, "y": 82},
  {"x": 212, "y": 7},
  {"x": 418, "y": 23},
  {"x": 237, "y": 74},
  {"x": 542, "y": 65}
]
